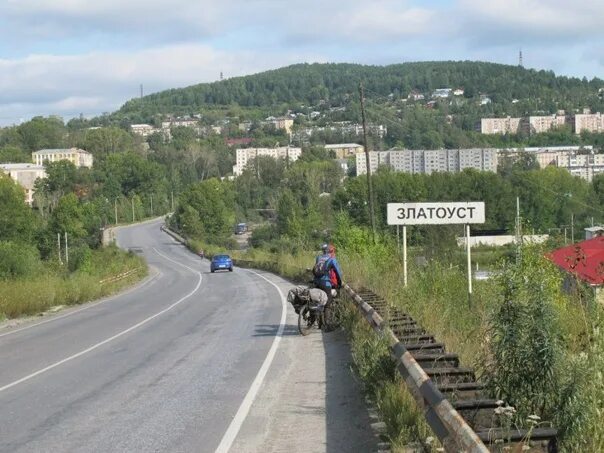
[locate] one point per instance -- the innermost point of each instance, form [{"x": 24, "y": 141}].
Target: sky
[{"x": 72, "y": 57}]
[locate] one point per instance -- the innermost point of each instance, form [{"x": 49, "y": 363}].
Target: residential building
[
  {"x": 429, "y": 161},
  {"x": 458, "y": 92},
  {"x": 143, "y": 130},
  {"x": 76, "y": 156},
  {"x": 25, "y": 175},
  {"x": 283, "y": 123},
  {"x": 415, "y": 96},
  {"x": 244, "y": 155},
  {"x": 442, "y": 93},
  {"x": 343, "y": 150},
  {"x": 540, "y": 124},
  {"x": 502, "y": 126},
  {"x": 590, "y": 122}
]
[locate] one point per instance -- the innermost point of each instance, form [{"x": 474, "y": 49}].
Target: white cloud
[{"x": 96, "y": 82}]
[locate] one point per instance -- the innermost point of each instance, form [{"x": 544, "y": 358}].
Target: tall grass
[{"x": 54, "y": 286}]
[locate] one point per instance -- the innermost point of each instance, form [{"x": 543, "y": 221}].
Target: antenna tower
[{"x": 520, "y": 58}]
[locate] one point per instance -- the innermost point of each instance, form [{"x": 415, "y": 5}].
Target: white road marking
[
  {"x": 88, "y": 305},
  {"x": 248, "y": 400},
  {"x": 114, "y": 337}
]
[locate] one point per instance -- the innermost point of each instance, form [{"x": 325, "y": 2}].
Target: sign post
[
  {"x": 405, "y": 255},
  {"x": 449, "y": 213}
]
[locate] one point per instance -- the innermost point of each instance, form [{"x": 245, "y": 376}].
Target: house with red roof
[{"x": 585, "y": 261}]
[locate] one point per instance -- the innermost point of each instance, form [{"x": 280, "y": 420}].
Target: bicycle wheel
[
  {"x": 306, "y": 319},
  {"x": 331, "y": 317}
]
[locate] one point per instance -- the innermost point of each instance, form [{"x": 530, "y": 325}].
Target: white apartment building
[
  {"x": 343, "y": 150},
  {"x": 501, "y": 126},
  {"x": 428, "y": 161},
  {"x": 591, "y": 122},
  {"x": 76, "y": 156},
  {"x": 25, "y": 175},
  {"x": 143, "y": 130},
  {"x": 244, "y": 155}
]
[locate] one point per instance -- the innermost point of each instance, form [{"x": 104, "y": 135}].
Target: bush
[
  {"x": 80, "y": 259},
  {"x": 18, "y": 260}
]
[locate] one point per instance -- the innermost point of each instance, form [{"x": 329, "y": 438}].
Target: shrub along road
[{"x": 180, "y": 363}]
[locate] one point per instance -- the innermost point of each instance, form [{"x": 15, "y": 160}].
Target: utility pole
[
  {"x": 172, "y": 195},
  {"x": 132, "y": 209},
  {"x": 518, "y": 231},
  {"x": 151, "y": 205},
  {"x": 59, "y": 247},
  {"x": 115, "y": 209},
  {"x": 572, "y": 228},
  {"x": 66, "y": 250},
  {"x": 369, "y": 183}
]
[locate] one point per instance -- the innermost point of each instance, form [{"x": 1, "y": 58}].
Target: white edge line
[
  {"x": 114, "y": 337},
  {"x": 88, "y": 305},
  {"x": 235, "y": 425}
]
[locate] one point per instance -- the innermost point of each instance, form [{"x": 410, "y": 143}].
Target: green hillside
[{"x": 337, "y": 84}]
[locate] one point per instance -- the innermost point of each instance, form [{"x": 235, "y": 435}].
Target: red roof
[{"x": 584, "y": 259}]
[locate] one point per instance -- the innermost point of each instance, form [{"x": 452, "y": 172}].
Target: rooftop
[
  {"x": 21, "y": 166},
  {"x": 344, "y": 145},
  {"x": 584, "y": 259}
]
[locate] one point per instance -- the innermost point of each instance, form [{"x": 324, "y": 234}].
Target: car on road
[{"x": 221, "y": 262}]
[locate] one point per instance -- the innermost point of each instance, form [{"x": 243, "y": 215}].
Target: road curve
[{"x": 163, "y": 367}]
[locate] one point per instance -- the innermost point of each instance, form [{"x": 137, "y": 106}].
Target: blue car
[{"x": 221, "y": 262}]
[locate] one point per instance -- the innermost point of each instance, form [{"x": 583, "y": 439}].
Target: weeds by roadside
[{"x": 55, "y": 286}]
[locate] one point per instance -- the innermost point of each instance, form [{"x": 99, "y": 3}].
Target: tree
[
  {"x": 17, "y": 222},
  {"x": 13, "y": 154}
]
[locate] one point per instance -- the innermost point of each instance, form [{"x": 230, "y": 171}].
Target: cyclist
[{"x": 326, "y": 267}]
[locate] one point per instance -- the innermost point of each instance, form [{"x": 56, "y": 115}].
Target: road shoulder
[{"x": 310, "y": 401}]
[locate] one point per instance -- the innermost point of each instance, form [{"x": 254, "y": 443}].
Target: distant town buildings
[
  {"x": 143, "y": 130},
  {"x": 25, "y": 175},
  {"x": 244, "y": 155},
  {"x": 590, "y": 122},
  {"x": 282, "y": 123},
  {"x": 340, "y": 127},
  {"x": 578, "y": 160},
  {"x": 76, "y": 156},
  {"x": 343, "y": 150},
  {"x": 502, "y": 126},
  {"x": 428, "y": 161}
]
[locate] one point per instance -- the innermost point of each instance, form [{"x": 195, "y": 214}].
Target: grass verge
[{"x": 54, "y": 287}]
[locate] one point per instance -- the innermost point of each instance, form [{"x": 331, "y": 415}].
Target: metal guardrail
[
  {"x": 449, "y": 426},
  {"x": 465, "y": 423}
]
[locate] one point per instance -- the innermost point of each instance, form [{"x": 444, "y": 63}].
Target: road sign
[{"x": 436, "y": 213}]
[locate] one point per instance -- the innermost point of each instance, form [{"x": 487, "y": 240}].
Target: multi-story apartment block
[
  {"x": 343, "y": 150},
  {"x": 143, "y": 130},
  {"x": 428, "y": 161},
  {"x": 76, "y": 156},
  {"x": 25, "y": 175},
  {"x": 540, "y": 124},
  {"x": 590, "y": 122},
  {"x": 502, "y": 126},
  {"x": 244, "y": 155}
]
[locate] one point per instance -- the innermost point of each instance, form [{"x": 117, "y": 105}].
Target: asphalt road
[{"x": 163, "y": 367}]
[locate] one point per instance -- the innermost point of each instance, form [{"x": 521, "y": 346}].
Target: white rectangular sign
[{"x": 435, "y": 213}]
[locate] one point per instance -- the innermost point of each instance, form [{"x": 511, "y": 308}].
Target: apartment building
[
  {"x": 344, "y": 150},
  {"x": 501, "y": 126},
  {"x": 244, "y": 155},
  {"x": 590, "y": 122},
  {"x": 144, "y": 130},
  {"x": 540, "y": 124},
  {"x": 429, "y": 161},
  {"x": 76, "y": 156},
  {"x": 25, "y": 175}
]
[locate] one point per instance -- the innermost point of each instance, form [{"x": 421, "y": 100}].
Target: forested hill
[{"x": 335, "y": 84}]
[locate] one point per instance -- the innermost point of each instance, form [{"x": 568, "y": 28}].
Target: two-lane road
[{"x": 163, "y": 367}]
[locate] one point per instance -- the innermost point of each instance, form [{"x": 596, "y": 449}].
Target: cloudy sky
[{"x": 68, "y": 57}]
